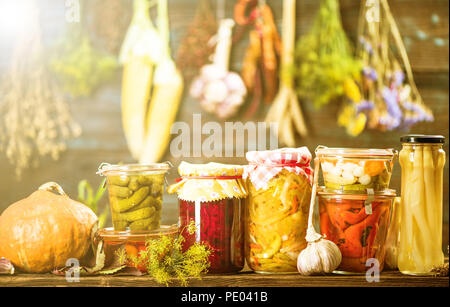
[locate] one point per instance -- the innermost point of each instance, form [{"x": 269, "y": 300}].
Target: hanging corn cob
[
  {"x": 285, "y": 109},
  {"x": 140, "y": 52},
  {"x": 390, "y": 99},
  {"x": 166, "y": 96}
]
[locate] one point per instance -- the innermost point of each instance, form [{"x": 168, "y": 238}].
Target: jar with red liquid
[
  {"x": 212, "y": 196},
  {"x": 358, "y": 224}
]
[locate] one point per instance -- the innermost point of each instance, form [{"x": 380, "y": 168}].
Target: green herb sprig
[
  {"x": 86, "y": 196},
  {"x": 164, "y": 258}
]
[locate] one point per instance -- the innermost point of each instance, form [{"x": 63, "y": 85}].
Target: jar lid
[
  {"x": 106, "y": 169},
  {"x": 209, "y": 182},
  {"x": 211, "y": 169},
  {"x": 355, "y": 152},
  {"x": 422, "y": 138},
  {"x": 327, "y": 193},
  {"x": 109, "y": 234}
]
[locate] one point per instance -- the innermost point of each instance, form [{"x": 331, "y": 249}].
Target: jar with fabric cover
[
  {"x": 279, "y": 186},
  {"x": 212, "y": 195}
]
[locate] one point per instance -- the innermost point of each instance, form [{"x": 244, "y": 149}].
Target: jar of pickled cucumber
[
  {"x": 279, "y": 186},
  {"x": 212, "y": 196},
  {"x": 420, "y": 247},
  {"x": 135, "y": 194}
]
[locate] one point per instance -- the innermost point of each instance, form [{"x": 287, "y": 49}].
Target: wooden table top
[{"x": 242, "y": 279}]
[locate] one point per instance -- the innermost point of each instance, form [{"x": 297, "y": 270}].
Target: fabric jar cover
[
  {"x": 264, "y": 165},
  {"x": 209, "y": 182}
]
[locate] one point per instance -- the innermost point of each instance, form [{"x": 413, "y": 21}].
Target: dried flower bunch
[
  {"x": 390, "y": 98},
  {"x": 35, "y": 120}
]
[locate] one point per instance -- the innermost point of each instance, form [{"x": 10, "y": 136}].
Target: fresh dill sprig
[{"x": 165, "y": 260}]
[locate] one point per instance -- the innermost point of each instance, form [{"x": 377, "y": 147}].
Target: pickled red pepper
[{"x": 359, "y": 235}]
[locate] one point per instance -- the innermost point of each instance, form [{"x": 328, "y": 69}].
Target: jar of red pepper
[{"x": 212, "y": 195}]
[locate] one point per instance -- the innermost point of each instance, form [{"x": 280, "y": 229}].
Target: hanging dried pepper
[{"x": 260, "y": 64}]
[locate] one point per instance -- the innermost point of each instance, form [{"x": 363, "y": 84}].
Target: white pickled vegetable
[
  {"x": 358, "y": 171},
  {"x": 365, "y": 179}
]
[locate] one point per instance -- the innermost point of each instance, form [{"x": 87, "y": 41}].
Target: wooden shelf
[{"x": 242, "y": 279}]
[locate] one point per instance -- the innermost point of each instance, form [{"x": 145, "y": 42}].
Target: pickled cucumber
[
  {"x": 123, "y": 192},
  {"x": 136, "y": 215},
  {"x": 134, "y": 184},
  {"x": 136, "y": 201},
  {"x": 141, "y": 224},
  {"x": 120, "y": 225},
  {"x": 157, "y": 190},
  {"x": 149, "y": 201},
  {"x": 119, "y": 180},
  {"x": 122, "y": 205}
]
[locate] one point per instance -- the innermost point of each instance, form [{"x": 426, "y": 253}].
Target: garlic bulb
[
  {"x": 6, "y": 267},
  {"x": 219, "y": 90},
  {"x": 321, "y": 255}
]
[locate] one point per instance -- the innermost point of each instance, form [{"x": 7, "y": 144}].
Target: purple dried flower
[
  {"x": 364, "y": 105},
  {"x": 370, "y": 73},
  {"x": 390, "y": 96},
  {"x": 399, "y": 78}
]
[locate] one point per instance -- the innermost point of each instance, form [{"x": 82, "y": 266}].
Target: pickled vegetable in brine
[
  {"x": 276, "y": 220},
  {"x": 420, "y": 246},
  {"x": 136, "y": 201}
]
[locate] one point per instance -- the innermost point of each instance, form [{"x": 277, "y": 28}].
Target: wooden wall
[{"x": 423, "y": 24}]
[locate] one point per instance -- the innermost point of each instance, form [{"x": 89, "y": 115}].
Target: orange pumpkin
[{"x": 41, "y": 232}]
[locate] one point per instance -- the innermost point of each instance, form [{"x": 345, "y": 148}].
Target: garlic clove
[{"x": 6, "y": 267}]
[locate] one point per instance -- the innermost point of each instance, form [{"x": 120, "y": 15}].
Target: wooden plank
[{"x": 243, "y": 279}]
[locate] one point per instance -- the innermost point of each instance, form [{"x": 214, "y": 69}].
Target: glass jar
[
  {"x": 279, "y": 187},
  {"x": 132, "y": 242},
  {"x": 212, "y": 196},
  {"x": 358, "y": 225},
  {"x": 135, "y": 194},
  {"x": 422, "y": 160},
  {"x": 356, "y": 170}
]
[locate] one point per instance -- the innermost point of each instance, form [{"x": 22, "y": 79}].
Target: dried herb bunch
[
  {"x": 35, "y": 120},
  {"x": 195, "y": 47},
  {"x": 80, "y": 67},
  {"x": 164, "y": 258},
  {"x": 326, "y": 62},
  {"x": 109, "y": 23}
]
